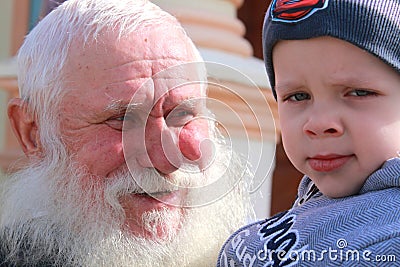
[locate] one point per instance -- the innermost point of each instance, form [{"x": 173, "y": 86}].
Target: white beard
[{"x": 45, "y": 204}]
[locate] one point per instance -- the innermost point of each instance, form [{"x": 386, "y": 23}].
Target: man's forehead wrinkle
[
  {"x": 129, "y": 80},
  {"x": 150, "y": 60},
  {"x": 154, "y": 79},
  {"x": 142, "y": 69}
]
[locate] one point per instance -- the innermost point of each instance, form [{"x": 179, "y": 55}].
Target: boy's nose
[{"x": 323, "y": 124}]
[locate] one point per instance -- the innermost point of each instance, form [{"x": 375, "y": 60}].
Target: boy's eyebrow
[
  {"x": 335, "y": 80},
  {"x": 285, "y": 85},
  {"x": 348, "y": 80}
]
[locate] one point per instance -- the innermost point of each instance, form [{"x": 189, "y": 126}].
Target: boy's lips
[{"x": 327, "y": 163}]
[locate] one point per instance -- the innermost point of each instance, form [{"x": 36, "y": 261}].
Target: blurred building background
[{"x": 226, "y": 32}]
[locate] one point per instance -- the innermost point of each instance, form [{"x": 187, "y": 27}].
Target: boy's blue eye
[
  {"x": 361, "y": 92},
  {"x": 298, "y": 97}
]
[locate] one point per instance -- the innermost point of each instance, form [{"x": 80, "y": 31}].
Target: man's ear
[{"x": 24, "y": 126}]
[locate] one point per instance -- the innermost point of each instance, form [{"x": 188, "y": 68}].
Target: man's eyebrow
[
  {"x": 121, "y": 106},
  {"x": 190, "y": 103}
]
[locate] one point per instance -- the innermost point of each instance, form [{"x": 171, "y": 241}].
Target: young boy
[{"x": 334, "y": 66}]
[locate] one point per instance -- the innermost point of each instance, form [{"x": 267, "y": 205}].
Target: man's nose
[
  {"x": 323, "y": 123},
  {"x": 161, "y": 147}
]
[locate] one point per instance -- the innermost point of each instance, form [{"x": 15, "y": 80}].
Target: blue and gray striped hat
[{"x": 373, "y": 25}]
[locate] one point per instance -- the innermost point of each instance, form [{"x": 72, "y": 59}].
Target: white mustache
[{"x": 149, "y": 181}]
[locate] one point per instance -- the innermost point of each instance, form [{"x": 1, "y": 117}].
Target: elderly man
[{"x": 124, "y": 169}]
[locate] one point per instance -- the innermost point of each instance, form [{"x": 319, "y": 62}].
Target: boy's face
[{"x": 339, "y": 110}]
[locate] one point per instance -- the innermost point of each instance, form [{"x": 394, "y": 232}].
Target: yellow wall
[
  {"x": 5, "y": 27},
  {"x": 6, "y": 11}
]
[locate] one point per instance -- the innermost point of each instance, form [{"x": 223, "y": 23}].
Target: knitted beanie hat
[{"x": 373, "y": 25}]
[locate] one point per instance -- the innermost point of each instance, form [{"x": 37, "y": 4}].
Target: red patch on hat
[{"x": 295, "y": 10}]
